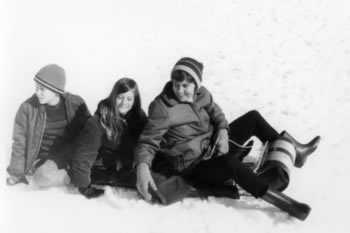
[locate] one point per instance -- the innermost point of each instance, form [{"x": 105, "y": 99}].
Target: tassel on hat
[{"x": 52, "y": 77}]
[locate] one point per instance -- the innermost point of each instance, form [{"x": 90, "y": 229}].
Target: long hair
[{"x": 107, "y": 110}]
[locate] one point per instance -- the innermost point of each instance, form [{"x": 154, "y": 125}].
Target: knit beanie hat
[
  {"x": 52, "y": 77},
  {"x": 192, "y": 67}
]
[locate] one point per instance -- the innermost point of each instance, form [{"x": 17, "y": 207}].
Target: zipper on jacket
[
  {"x": 197, "y": 114},
  {"x": 42, "y": 134},
  {"x": 40, "y": 141},
  {"x": 65, "y": 102}
]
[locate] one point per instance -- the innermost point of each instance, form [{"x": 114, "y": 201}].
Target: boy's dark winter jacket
[
  {"x": 177, "y": 134},
  {"x": 29, "y": 129}
]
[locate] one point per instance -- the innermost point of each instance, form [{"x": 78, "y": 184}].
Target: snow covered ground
[{"x": 289, "y": 59}]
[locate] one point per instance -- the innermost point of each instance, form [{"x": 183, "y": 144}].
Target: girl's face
[
  {"x": 46, "y": 96},
  {"x": 184, "y": 91},
  {"x": 125, "y": 101}
]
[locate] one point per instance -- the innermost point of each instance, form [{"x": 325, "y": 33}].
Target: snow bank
[{"x": 287, "y": 59}]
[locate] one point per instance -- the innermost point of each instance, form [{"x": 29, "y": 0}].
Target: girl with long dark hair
[{"x": 105, "y": 151}]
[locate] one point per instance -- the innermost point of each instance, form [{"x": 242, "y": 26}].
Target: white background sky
[{"x": 287, "y": 59}]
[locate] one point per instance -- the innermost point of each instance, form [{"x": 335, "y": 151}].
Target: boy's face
[
  {"x": 45, "y": 96},
  {"x": 184, "y": 91}
]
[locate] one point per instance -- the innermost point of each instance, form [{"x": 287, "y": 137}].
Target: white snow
[{"x": 289, "y": 59}]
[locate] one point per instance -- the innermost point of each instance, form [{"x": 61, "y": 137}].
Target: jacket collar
[{"x": 168, "y": 95}]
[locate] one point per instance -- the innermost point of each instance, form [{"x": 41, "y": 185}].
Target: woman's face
[
  {"x": 184, "y": 91},
  {"x": 125, "y": 101}
]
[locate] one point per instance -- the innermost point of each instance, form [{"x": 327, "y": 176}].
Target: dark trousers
[
  {"x": 216, "y": 171},
  {"x": 108, "y": 169},
  {"x": 252, "y": 124}
]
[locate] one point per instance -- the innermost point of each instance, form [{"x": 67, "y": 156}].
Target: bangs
[{"x": 180, "y": 76}]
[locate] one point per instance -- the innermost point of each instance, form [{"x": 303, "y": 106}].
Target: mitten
[
  {"x": 12, "y": 180},
  {"x": 222, "y": 142},
  {"x": 91, "y": 192}
]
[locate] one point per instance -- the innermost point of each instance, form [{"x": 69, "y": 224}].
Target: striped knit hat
[
  {"x": 52, "y": 77},
  {"x": 192, "y": 67}
]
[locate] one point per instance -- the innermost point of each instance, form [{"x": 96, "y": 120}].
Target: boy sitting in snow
[
  {"x": 184, "y": 121},
  {"x": 46, "y": 126}
]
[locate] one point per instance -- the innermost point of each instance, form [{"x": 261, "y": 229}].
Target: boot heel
[{"x": 296, "y": 209}]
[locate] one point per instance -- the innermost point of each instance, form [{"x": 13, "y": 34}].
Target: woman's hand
[
  {"x": 222, "y": 140},
  {"x": 144, "y": 181}
]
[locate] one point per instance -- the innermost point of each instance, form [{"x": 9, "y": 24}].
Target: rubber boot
[
  {"x": 287, "y": 204},
  {"x": 302, "y": 150}
]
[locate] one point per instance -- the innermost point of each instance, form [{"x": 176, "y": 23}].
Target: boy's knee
[
  {"x": 253, "y": 114},
  {"x": 48, "y": 175}
]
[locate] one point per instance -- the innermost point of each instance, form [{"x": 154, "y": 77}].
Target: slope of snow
[{"x": 287, "y": 59}]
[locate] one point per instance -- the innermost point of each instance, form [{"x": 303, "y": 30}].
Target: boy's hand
[
  {"x": 12, "y": 180},
  {"x": 144, "y": 181},
  {"x": 223, "y": 144}
]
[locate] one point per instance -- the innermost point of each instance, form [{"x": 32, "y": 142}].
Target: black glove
[
  {"x": 91, "y": 192},
  {"x": 12, "y": 180}
]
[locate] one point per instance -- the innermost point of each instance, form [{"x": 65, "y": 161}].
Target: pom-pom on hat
[
  {"x": 192, "y": 67},
  {"x": 52, "y": 77}
]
